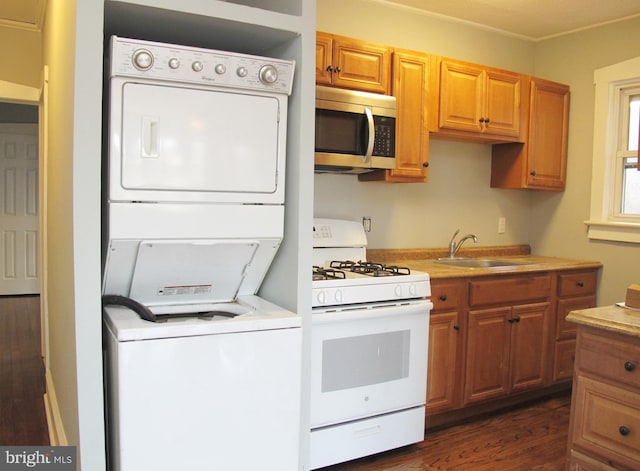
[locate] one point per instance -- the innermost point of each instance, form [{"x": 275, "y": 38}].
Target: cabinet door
[
  {"x": 360, "y": 65},
  {"x": 548, "y": 128},
  {"x": 324, "y": 47},
  {"x": 502, "y": 109},
  {"x": 529, "y": 346},
  {"x": 442, "y": 371},
  {"x": 488, "y": 337},
  {"x": 461, "y": 96}
]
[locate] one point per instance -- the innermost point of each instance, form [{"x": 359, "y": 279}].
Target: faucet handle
[{"x": 453, "y": 238}]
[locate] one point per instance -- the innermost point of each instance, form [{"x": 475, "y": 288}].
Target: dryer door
[{"x": 193, "y": 144}]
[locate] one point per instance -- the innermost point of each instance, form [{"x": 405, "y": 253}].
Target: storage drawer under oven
[{"x": 368, "y": 361}]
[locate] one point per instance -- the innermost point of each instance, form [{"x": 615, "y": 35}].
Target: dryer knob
[
  {"x": 242, "y": 71},
  {"x": 268, "y": 74},
  {"x": 174, "y": 63},
  {"x": 197, "y": 66},
  {"x": 142, "y": 59},
  {"x": 220, "y": 69}
]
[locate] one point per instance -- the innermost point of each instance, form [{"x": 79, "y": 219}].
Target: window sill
[{"x": 614, "y": 231}]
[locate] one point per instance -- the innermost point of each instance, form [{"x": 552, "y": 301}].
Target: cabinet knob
[
  {"x": 486, "y": 120},
  {"x": 532, "y": 173},
  {"x": 443, "y": 297},
  {"x": 629, "y": 366},
  {"x": 580, "y": 284},
  {"x": 456, "y": 327},
  {"x": 425, "y": 164},
  {"x": 514, "y": 319},
  {"x": 624, "y": 431},
  {"x": 481, "y": 120},
  {"x": 329, "y": 68},
  {"x": 338, "y": 70}
]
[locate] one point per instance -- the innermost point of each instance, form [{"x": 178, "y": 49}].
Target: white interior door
[{"x": 19, "y": 269}]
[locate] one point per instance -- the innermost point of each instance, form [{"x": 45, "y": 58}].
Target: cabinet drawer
[
  {"x": 609, "y": 356},
  {"x": 509, "y": 290},
  {"x": 576, "y": 284},
  {"x": 563, "y": 360},
  {"x": 607, "y": 422},
  {"x": 564, "y": 328},
  {"x": 580, "y": 462},
  {"x": 446, "y": 294}
]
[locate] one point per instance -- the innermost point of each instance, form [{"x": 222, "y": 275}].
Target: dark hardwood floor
[
  {"x": 529, "y": 437},
  {"x": 22, "y": 385}
]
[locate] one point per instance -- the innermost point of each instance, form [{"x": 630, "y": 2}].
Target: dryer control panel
[{"x": 160, "y": 61}]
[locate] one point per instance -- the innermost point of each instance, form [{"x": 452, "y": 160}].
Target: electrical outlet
[
  {"x": 502, "y": 225},
  {"x": 366, "y": 223}
]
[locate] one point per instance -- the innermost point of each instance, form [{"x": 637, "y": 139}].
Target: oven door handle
[
  {"x": 420, "y": 307},
  {"x": 372, "y": 136}
]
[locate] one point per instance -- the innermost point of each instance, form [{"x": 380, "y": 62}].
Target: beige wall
[
  {"x": 73, "y": 54},
  {"x": 458, "y": 194},
  {"x": 20, "y": 65},
  {"x": 559, "y": 227}
]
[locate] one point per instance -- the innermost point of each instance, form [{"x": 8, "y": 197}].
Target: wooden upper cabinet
[
  {"x": 410, "y": 87},
  {"x": 476, "y": 101},
  {"x": 350, "y": 63},
  {"x": 541, "y": 161}
]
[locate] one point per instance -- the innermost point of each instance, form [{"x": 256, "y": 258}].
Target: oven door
[{"x": 368, "y": 360}]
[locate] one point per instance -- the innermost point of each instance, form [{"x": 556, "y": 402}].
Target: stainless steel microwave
[{"x": 355, "y": 131}]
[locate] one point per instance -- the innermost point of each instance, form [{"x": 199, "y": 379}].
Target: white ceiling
[{"x": 531, "y": 19}]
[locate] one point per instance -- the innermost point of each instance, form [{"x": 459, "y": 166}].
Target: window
[{"x": 615, "y": 188}]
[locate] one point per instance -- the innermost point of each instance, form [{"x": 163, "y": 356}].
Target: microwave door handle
[{"x": 372, "y": 136}]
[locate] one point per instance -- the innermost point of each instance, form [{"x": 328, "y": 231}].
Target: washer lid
[{"x": 172, "y": 273}]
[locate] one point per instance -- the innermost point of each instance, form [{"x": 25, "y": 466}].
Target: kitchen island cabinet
[
  {"x": 410, "y": 87},
  {"x": 475, "y": 102},
  {"x": 604, "y": 429},
  {"x": 540, "y": 161},
  {"x": 351, "y": 63}
]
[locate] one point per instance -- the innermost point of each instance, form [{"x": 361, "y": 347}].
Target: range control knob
[
  {"x": 197, "y": 66},
  {"x": 268, "y": 74},
  {"x": 174, "y": 63},
  {"x": 220, "y": 69},
  {"x": 242, "y": 71},
  {"x": 142, "y": 59}
]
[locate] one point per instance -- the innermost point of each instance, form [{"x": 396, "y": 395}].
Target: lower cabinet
[
  {"x": 446, "y": 336},
  {"x": 506, "y": 351},
  {"x": 500, "y": 337}
]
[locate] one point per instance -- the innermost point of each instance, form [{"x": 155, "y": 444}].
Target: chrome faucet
[{"x": 453, "y": 247}]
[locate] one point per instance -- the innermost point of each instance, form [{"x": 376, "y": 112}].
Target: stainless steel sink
[{"x": 479, "y": 262}]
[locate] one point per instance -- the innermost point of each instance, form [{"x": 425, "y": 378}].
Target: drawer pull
[
  {"x": 624, "y": 431},
  {"x": 629, "y": 366},
  {"x": 580, "y": 284},
  {"x": 514, "y": 319},
  {"x": 443, "y": 297},
  {"x": 456, "y": 327}
]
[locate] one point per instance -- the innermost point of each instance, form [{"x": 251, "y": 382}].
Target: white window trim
[{"x": 601, "y": 224}]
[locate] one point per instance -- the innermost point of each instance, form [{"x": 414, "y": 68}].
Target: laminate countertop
[
  {"x": 612, "y": 318},
  {"x": 425, "y": 260}
]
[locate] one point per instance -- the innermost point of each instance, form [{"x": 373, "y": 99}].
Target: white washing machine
[{"x": 202, "y": 373}]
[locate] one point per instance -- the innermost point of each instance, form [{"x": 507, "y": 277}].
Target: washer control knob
[
  {"x": 220, "y": 69},
  {"x": 174, "y": 63},
  {"x": 268, "y": 74},
  {"x": 197, "y": 66},
  {"x": 142, "y": 59},
  {"x": 242, "y": 71}
]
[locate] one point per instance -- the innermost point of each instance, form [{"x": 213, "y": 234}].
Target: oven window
[
  {"x": 341, "y": 132},
  {"x": 364, "y": 360}
]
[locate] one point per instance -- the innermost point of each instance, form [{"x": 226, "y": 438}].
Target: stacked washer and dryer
[{"x": 202, "y": 373}]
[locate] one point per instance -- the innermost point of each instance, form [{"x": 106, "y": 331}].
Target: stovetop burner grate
[{"x": 369, "y": 268}]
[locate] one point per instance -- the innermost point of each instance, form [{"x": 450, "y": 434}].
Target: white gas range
[{"x": 370, "y": 331}]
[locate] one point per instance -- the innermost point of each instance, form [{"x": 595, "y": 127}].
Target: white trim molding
[{"x": 601, "y": 225}]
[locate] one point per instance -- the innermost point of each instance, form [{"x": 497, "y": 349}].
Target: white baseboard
[{"x": 57, "y": 436}]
